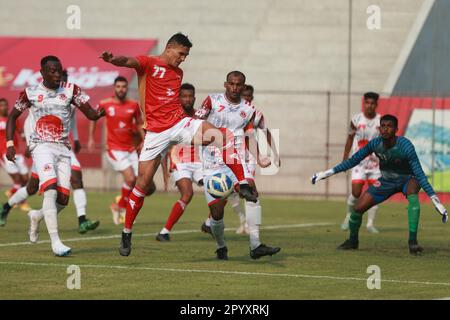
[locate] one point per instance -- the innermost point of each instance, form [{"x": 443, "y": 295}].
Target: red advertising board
[{"x": 20, "y": 64}]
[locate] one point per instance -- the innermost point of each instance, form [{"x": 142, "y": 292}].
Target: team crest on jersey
[
  {"x": 63, "y": 97},
  {"x": 170, "y": 92},
  {"x": 243, "y": 114}
]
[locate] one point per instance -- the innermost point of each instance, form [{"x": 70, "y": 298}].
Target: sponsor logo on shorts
[{"x": 47, "y": 167}]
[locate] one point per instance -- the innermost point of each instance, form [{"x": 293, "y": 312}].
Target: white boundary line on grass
[
  {"x": 281, "y": 226},
  {"x": 242, "y": 273}
]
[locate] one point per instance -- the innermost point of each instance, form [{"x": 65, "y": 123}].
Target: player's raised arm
[
  {"x": 120, "y": 61},
  {"x": 80, "y": 100},
  {"x": 346, "y": 164},
  {"x": 421, "y": 178}
]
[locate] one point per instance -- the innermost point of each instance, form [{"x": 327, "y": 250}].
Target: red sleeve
[
  {"x": 205, "y": 109},
  {"x": 79, "y": 97},
  {"x": 250, "y": 127},
  {"x": 22, "y": 102},
  {"x": 144, "y": 63}
]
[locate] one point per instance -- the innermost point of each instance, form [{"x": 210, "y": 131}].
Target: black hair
[
  {"x": 371, "y": 95},
  {"x": 236, "y": 74},
  {"x": 65, "y": 75},
  {"x": 121, "y": 79},
  {"x": 180, "y": 39},
  {"x": 4, "y": 100},
  {"x": 187, "y": 86},
  {"x": 390, "y": 117},
  {"x": 46, "y": 59},
  {"x": 249, "y": 87}
]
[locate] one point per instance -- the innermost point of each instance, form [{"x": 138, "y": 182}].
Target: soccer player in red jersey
[
  {"x": 122, "y": 117},
  {"x": 165, "y": 122}
]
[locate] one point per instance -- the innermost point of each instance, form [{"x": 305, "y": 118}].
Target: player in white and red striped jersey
[
  {"x": 123, "y": 118},
  {"x": 258, "y": 123},
  {"x": 364, "y": 127},
  {"x": 166, "y": 123},
  {"x": 185, "y": 167},
  {"x": 18, "y": 171},
  {"x": 229, "y": 110},
  {"x": 50, "y": 103}
]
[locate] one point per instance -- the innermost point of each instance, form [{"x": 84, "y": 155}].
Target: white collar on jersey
[{"x": 234, "y": 104}]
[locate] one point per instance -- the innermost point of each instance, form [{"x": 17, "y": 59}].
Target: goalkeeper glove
[
  {"x": 439, "y": 208},
  {"x": 321, "y": 175}
]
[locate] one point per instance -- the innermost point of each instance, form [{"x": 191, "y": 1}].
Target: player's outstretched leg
[
  {"x": 19, "y": 197},
  {"x": 413, "y": 223}
]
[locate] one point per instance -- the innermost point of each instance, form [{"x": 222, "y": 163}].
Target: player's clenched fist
[
  {"x": 321, "y": 175},
  {"x": 440, "y": 208},
  {"x": 106, "y": 56}
]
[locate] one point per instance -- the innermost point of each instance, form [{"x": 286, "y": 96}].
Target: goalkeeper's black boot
[
  {"x": 263, "y": 250},
  {"x": 222, "y": 253},
  {"x": 348, "y": 245},
  {"x": 4, "y": 214},
  {"x": 247, "y": 192},
  {"x": 125, "y": 244},
  {"x": 414, "y": 247}
]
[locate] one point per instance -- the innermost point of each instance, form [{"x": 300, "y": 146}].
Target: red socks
[
  {"x": 135, "y": 202},
  {"x": 177, "y": 212},
  {"x": 126, "y": 189},
  {"x": 230, "y": 155}
]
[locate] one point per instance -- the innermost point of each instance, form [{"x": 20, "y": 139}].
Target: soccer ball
[{"x": 219, "y": 186}]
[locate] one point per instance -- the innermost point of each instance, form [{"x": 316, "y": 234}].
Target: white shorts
[
  {"x": 360, "y": 174},
  {"x": 121, "y": 160},
  {"x": 210, "y": 200},
  {"x": 190, "y": 170},
  {"x": 74, "y": 163},
  {"x": 249, "y": 170},
  {"x": 156, "y": 143},
  {"x": 19, "y": 166},
  {"x": 52, "y": 164}
]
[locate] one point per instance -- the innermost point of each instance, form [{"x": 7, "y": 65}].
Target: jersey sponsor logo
[{"x": 49, "y": 128}]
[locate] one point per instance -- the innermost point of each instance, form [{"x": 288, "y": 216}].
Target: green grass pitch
[{"x": 308, "y": 266}]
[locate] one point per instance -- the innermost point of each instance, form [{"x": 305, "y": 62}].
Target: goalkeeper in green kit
[{"x": 401, "y": 172}]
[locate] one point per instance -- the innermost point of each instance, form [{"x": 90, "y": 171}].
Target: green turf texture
[{"x": 305, "y": 252}]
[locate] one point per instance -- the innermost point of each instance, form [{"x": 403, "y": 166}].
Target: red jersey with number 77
[{"x": 159, "y": 89}]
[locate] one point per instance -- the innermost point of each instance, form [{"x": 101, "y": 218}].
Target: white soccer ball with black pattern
[{"x": 219, "y": 185}]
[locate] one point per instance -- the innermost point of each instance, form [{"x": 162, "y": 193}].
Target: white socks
[
  {"x": 351, "y": 201},
  {"x": 80, "y": 201},
  {"x": 254, "y": 216},
  {"x": 164, "y": 231},
  {"x": 217, "y": 229},
  {"x": 236, "y": 205},
  {"x": 18, "y": 197},
  {"x": 49, "y": 209},
  {"x": 371, "y": 213}
]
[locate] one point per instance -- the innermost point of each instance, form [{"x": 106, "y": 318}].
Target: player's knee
[
  {"x": 150, "y": 189},
  {"x": 130, "y": 181},
  {"x": 32, "y": 188}
]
